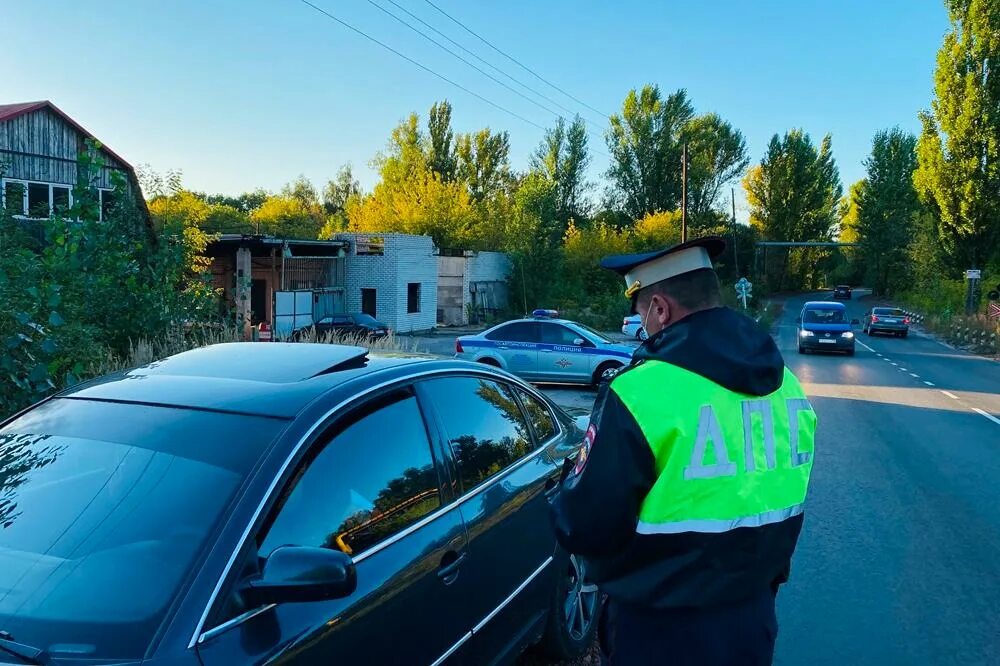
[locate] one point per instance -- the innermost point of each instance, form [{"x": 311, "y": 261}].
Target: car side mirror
[
  {"x": 298, "y": 573},
  {"x": 855, "y": 322},
  {"x": 579, "y": 342}
]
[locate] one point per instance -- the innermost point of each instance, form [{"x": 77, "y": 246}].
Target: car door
[
  {"x": 504, "y": 477},
  {"x": 517, "y": 344},
  {"x": 373, "y": 488},
  {"x": 559, "y": 359}
]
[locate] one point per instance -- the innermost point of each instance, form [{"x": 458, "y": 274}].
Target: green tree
[
  {"x": 887, "y": 204},
  {"x": 336, "y": 194},
  {"x": 645, "y": 145},
  {"x": 563, "y": 157},
  {"x": 441, "y": 147},
  {"x": 959, "y": 148},
  {"x": 794, "y": 195},
  {"x": 483, "y": 160},
  {"x": 717, "y": 155},
  {"x": 289, "y": 216}
]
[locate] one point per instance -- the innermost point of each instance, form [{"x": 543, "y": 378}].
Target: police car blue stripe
[{"x": 593, "y": 351}]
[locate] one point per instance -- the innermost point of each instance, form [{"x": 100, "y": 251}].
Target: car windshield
[
  {"x": 104, "y": 508},
  {"x": 889, "y": 312},
  {"x": 366, "y": 320},
  {"x": 823, "y": 316},
  {"x": 599, "y": 337}
]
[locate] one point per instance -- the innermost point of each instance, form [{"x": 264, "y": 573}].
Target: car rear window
[
  {"x": 891, "y": 312},
  {"x": 104, "y": 508},
  {"x": 366, "y": 320}
]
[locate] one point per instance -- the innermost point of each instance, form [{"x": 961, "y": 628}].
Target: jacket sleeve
[{"x": 597, "y": 508}]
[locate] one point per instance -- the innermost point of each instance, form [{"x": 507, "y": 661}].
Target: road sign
[
  {"x": 994, "y": 311},
  {"x": 973, "y": 274}
]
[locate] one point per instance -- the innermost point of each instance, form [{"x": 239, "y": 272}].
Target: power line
[
  {"x": 473, "y": 66},
  {"x": 421, "y": 65},
  {"x": 514, "y": 60},
  {"x": 487, "y": 62}
]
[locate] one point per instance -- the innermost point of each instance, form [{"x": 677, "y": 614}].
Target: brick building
[{"x": 392, "y": 277}]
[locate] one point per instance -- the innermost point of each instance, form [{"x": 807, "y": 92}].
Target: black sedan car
[
  {"x": 887, "y": 320},
  {"x": 288, "y": 503},
  {"x": 842, "y": 292},
  {"x": 344, "y": 326}
]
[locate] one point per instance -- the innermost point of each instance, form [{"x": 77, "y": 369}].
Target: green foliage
[
  {"x": 886, "y": 207},
  {"x": 90, "y": 289},
  {"x": 563, "y": 158},
  {"x": 794, "y": 195},
  {"x": 959, "y": 148}
]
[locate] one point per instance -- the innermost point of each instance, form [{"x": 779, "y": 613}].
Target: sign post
[
  {"x": 744, "y": 290},
  {"x": 972, "y": 290}
]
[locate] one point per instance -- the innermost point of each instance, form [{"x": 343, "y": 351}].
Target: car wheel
[
  {"x": 802, "y": 350},
  {"x": 904, "y": 334},
  {"x": 850, "y": 352},
  {"x": 604, "y": 369},
  {"x": 573, "y": 614}
]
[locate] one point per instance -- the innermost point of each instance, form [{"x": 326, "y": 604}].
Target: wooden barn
[{"x": 39, "y": 150}]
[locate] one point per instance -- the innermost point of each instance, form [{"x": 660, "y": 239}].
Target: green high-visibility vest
[{"x": 723, "y": 459}]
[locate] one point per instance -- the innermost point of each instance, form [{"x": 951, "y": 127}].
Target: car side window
[
  {"x": 520, "y": 331},
  {"x": 374, "y": 478},
  {"x": 341, "y": 320},
  {"x": 539, "y": 415},
  {"x": 556, "y": 334},
  {"x": 483, "y": 425}
]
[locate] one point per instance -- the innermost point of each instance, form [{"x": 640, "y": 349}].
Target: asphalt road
[{"x": 899, "y": 559}]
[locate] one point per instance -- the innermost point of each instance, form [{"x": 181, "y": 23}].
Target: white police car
[{"x": 545, "y": 348}]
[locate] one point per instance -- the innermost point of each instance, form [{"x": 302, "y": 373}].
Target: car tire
[
  {"x": 904, "y": 334},
  {"x": 802, "y": 350},
  {"x": 573, "y": 613},
  {"x": 601, "y": 369},
  {"x": 850, "y": 352}
]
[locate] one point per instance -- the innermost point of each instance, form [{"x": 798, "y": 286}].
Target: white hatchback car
[{"x": 632, "y": 327}]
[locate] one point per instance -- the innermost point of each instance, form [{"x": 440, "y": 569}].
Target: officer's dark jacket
[{"x": 596, "y": 513}]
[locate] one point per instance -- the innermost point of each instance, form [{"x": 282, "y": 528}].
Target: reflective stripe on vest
[{"x": 723, "y": 460}]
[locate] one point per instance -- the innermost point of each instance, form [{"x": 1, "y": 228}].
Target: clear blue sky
[{"x": 241, "y": 94}]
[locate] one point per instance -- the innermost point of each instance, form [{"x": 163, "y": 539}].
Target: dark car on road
[
  {"x": 343, "y": 326},
  {"x": 887, "y": 320},
  {"x": 288, "y": 503},
  {"x": 842, "y": 292},
  {"x": 824, "y": 326}
]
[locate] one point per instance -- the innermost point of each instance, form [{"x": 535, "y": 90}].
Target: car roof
[
  {"x": 264, "y": 378},
  {"x": 824, "y": 305}
]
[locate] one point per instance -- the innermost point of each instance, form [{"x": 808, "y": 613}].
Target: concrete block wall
[
  {"x": 405, "y": 259},
  {"x": 485, "y": 267}
]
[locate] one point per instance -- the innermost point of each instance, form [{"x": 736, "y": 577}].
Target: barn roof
[{"x": 11, "y": 111}]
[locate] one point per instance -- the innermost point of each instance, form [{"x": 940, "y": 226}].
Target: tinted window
[
  {"x": 539, "y": 415},
  {"x": 373, "y": 479},
  {"x": 554, "y": 334},
  {"x": 520, "y": 331},
  {"x": 823, "y": 316},
  {"x": 104, "y": 508},
  {"x": 365, "y": 320},
  {"x": 892, "y": 312},
  {"x": 483, "y": 424}
]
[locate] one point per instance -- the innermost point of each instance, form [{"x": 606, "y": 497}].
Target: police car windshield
[
  {"x": 823, "y": 316},
  {"x": 599, "y": 337}
]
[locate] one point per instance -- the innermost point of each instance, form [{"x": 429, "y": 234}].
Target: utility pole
[
  {"x": 684, "y": 193},
  {"x": 736, "y": 256}
]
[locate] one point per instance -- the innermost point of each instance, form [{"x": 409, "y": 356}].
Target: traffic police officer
[{"x": 685, "y": 501}]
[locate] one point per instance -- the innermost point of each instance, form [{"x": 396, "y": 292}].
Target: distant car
[
  {"x": 632, "y": 327},
  {"x": 348, "y": 326},
  {"x": 544, "y": 348},
  {"x": 842, "y": 292},
  {"x": 824, "y": 326},
  {"x": 887, "y": 320},
  {"x": 289, "y": 503}
]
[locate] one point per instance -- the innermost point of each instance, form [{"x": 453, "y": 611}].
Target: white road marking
[
  {"x": 928, "y": 383},
  {"x": 987, "y": 415},
  {"x": 902, "y": 369},
  {"x": 913, "y": 374},
  {"x": 865, "y": 346},
  {"x": 950, "y": 395},
  {"x": 894, "y": 363}
]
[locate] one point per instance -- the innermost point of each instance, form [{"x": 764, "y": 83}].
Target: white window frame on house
[{"x": 25, "y": 212}]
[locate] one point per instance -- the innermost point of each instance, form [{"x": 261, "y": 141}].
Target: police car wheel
[
  {"x": 573, "y": 615},
  {"x": 604, "y": 372}
]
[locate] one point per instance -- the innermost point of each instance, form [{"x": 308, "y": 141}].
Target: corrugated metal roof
[{"x": 11, "y": 111}]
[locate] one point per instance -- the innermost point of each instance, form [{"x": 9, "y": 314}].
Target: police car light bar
[{"x": 544, "y": 313}]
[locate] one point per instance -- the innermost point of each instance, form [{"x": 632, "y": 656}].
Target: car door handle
[
  {"x": 451, "y": 563},
  {"x": 551, "y": 488}
]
